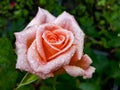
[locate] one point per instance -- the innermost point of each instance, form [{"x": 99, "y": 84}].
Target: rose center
[
  {"x": 56, "y": 41},
  {"x": 53, "y": 37}
]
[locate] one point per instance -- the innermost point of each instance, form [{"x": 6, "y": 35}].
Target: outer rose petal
[
  {"x": 74, "y": 71},
  {"x": 88, "y": 72},
  {"x": 42, "y": 17},
  {"x": 33, "y": 57},
  {"x": 84, "y": 62},
  {"x": 77, "y": 71},
  {"x": 43, "y": 76},
  {"x": 68, "y": 22},
  {"x": 82, "y": 68},
  {"x": 23, "y": 40}
]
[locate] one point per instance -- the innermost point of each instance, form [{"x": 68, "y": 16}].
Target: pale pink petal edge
[
  {"x": 74, "y": 70},
  {"x": 88, "y": 73},
  {"x": 77, "y": 71},
  {"x": 21, "y": 48}
]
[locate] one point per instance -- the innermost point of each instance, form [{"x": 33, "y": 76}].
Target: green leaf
[
  {"x": 8, "y": 73},
  {"x": 46, "y": 88},
  {"x": 66, "y": 86},
  {"x": 114, "y": 42},
  {"x": 65, "y": 82},
  {"x": 89, "y": 86},
  {"x": 26, "y": 87},
  {"x": 100, "y": 62},
  {"x": 117, "y": 53},
  {"x": 114, "y": 69},
  {"x": 27, "y": 79},
  {"x": 101, "y": 2},
  {"x": 88, "y": 27}
]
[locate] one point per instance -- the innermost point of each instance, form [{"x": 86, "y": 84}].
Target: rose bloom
[{"x": 50, "y": 45}]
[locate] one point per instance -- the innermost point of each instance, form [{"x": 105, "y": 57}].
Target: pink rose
[{"x": 49, "y": 45}]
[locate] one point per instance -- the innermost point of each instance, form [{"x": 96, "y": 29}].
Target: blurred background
[{"x": 100, "y": 21}]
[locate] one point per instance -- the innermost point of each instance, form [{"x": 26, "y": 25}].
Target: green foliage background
[{"x": 99, "y": 19}]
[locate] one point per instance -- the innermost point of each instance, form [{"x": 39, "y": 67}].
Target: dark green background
[{"x": 99, "y": 19}]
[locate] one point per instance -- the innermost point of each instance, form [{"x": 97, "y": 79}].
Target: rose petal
[
  {"x": 33, "y": 57},
  {"x": 77, "y": 71},
  {"x": 74, "y": 71},
  {"x": 84, "y": 62},
  {"x": 58, "y": 62},
  {"x": 44, "y": 76},
  {"x": 35, "y": 61},
  {"x": 68, "y": 22},
  {"x": 42, "y": 17},
  {"x": 38, "y": 66},
  {"x": 88, "y": 72},
  {"x": 23, "y": 40}
]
